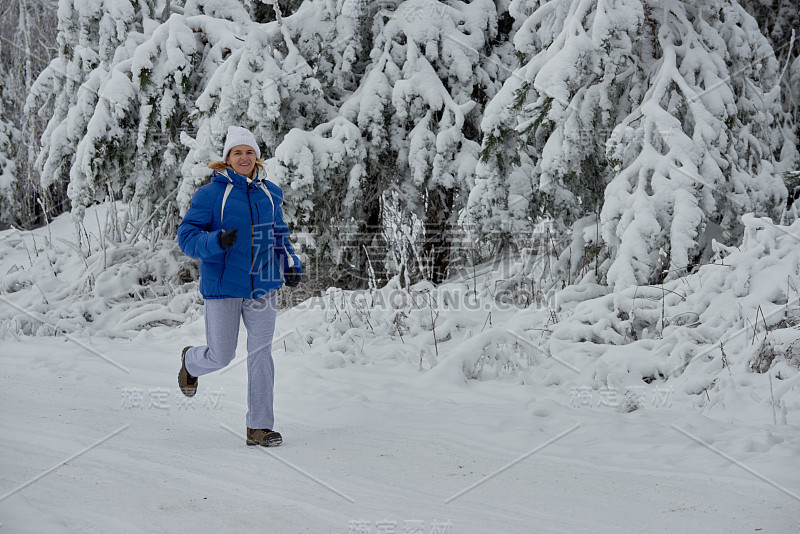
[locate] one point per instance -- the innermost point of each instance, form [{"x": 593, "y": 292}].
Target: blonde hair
[{"x": 220, "y": 166}]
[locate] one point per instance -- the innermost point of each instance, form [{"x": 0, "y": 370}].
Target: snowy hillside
[{"x": 440, "y": 409}]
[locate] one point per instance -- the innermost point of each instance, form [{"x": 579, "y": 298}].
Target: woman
[{"x": 235, "y": 227}]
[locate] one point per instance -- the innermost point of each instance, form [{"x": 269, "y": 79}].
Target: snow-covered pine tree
[
  {"x": 699, "y": 146},
  {"x": 366, "y": 169},
  {"x": 266, "y": 83},
  {"x": 9, "y": 183},
  {"x": 29, "y": 30},
  {"x": 89, "y": 35},
  {"x": 324, "y": 168},
  {"x": 131, "y": 147},
  {"x": 324, "y": 163},
  {"x": 779, "y": 21},
  {"x": 139, "y": 132},
  {"x": 138, "y": 94},
  {"x": 418, "y": 107},
  {"x": 543, "y": 151}
]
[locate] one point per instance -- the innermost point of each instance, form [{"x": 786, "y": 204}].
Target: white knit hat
[{"x": 239, "y": 136}]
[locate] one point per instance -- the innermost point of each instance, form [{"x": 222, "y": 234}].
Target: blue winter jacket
[{"x": 254, "y": 264}]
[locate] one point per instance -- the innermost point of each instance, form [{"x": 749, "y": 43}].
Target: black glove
[
  {"x": 227, "y": 238},
  {"x": 292, "y": 276}
]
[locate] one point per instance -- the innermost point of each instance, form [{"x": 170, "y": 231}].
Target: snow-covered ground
[
  {"x": 382, "y": 434},
  {"x": 367, "y": 447}
]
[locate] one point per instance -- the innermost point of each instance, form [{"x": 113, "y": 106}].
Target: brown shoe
[
  {"x": 264, "y": 437},
  {"x": 186, "y": 382}
]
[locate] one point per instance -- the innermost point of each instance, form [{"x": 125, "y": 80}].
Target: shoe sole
[
  {"x": 189, "y": 391},
  {"x": 270, "y": 443}
]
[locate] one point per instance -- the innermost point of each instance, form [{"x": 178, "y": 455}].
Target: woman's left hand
[{"x": 292, "y": 276}]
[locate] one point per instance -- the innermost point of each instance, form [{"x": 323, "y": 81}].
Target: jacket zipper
[{"x": 252, "y": 244}]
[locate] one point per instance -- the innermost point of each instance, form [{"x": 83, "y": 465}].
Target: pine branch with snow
[
  {"x": 9, "y": 181},
  {"x": 543, "y": 151},
  {"x": 698, "y": 148}
]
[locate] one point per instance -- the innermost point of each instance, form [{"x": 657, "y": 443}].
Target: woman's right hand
[{"x": 227, "y": 238}]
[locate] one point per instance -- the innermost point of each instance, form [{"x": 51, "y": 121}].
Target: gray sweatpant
[{"x": 222, "y": 333}]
